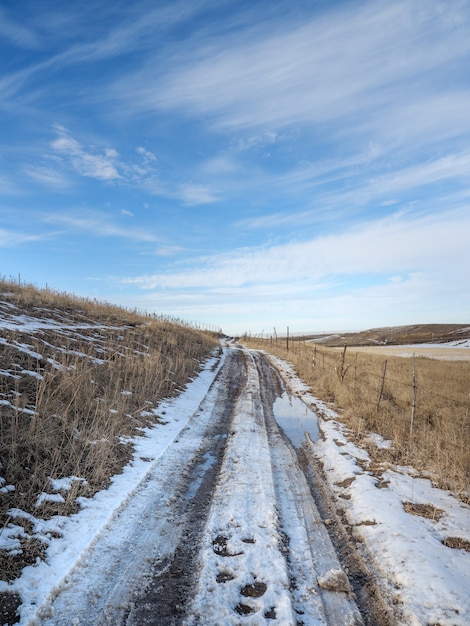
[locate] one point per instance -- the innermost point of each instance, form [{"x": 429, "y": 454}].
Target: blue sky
[{"x": 242, "y": 164}]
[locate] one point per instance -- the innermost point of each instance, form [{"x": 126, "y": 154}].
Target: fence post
[
  {"x": 287, "y": 339},
  {"x": 382, "y": 386},
  {"x": 415, "y": 394},
  {"x": 343, "y": 367}
]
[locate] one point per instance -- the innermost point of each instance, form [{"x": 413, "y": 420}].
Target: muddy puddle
[{"x": 295, "y": 419}]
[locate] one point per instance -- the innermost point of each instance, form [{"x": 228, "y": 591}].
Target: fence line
[{"x": 351, "y": 373}]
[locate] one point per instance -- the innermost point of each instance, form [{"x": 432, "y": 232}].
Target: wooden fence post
[
  {"x": 415, "y": 394},
  {"x": 382, "y": 386}
]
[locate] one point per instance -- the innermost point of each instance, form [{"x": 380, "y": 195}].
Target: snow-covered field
[
  {"x": 425, "y": 581},
  {"x": 458, "y": 350}
]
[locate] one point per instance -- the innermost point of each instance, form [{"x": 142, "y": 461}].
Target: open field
[
  {"x": 456, "y": 334},
  {"x": 430, "y": 351}
]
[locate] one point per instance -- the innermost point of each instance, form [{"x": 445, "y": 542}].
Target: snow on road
[
  {"x": 262, "y": 554},
  {"x": 257, "y": 557}
]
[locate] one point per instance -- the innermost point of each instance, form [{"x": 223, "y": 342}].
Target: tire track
[{"x": 266, "y": 557}]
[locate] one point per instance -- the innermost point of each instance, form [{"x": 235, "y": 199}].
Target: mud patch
[
  {"x": 220, "y": 547},
  {"x": 255, "y": 590},
  {"x": 244, "y": 609},
  {"x": 224, "y": 577},
  {"x": 9, "y": 603}
]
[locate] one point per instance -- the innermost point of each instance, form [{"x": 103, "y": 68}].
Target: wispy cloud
[
  {"x": 86, "y": 161},
  {"x": 47, "y": 176},
  {"x": 323, "y": 70},
  {"x": 106, "y": 165},
  {"x": 98, "y": 224},
  {"x": 11, "y": 239},
  {"x": 379, "y": 270},
  {"x": 398, "y": 243},
  {"x": 146, "y": 154},
  {"x": 16, "y": 32},
  {"x": 192, "y": 194}
]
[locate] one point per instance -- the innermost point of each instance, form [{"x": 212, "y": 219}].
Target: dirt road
[{"x": 223, "y": 531}]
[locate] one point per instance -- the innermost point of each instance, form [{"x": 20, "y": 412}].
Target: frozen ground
[{"x": 216, "y": 498}]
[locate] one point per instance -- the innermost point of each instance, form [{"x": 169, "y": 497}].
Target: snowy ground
[
  {"x": 458, "y": 350},
  {"x": 427, "y": 581},
  {"x": 262, "y": 530}
]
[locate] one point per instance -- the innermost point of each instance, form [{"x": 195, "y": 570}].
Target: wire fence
[{"x": 422, "y": 404}]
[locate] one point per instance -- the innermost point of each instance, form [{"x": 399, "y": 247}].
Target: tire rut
[
  {"x": 163, "y": 600},
  {"x": 265, "y": 554},
  {"x": 374, "y": 608}
]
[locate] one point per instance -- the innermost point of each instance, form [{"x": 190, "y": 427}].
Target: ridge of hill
[{"x": 394, "y": 335}]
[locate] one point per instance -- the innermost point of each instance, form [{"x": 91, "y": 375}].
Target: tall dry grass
[
  {"x": 73, "y": 398},
  {"x": 422, "y": 405}
]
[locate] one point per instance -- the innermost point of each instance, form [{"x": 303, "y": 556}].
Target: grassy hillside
[{"x": 78, "y": 379}]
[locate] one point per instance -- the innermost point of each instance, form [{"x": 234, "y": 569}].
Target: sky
[{"x": 248, "y": 165}]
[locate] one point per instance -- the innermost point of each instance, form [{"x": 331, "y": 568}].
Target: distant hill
[{"x": 395, "y": 335}]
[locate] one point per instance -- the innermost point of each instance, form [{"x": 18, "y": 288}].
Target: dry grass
[
  {"x": 429, "y": 511},
  {"x": 71, "y": 398},
  {"x": 422, "y": 405}
]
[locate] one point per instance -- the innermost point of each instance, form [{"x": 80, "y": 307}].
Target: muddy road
[{"x": 225, "y": 530}]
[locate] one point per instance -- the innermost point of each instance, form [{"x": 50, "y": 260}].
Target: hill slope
[{"x": 77, "y": 380}]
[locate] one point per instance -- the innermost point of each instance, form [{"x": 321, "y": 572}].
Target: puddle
[{"x": 295, "y": 419}]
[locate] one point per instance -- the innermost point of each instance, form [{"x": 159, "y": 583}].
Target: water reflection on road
[{"x": 295, "y": 419}]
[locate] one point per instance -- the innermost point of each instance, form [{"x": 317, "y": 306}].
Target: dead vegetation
[
  {"x": 429, "y": 511},
  {"x": 78, "y": 379},
  {"x": 421, "y": 405}
]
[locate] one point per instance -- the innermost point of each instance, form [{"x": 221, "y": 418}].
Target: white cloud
[
  {"x": 107, "y": 166},
  {"x": 399, "y": 243},
  {"x": 10, "y": 239},
  {"x": 99, "y": 225},
  {"x": 47, "y": 176},
  {"x": 329, "y": 68},
  {"x": 146, "y": 154},
  {"x": 192, "y": 194},
  {"x": 168, "y": 250},
  {"x": 86, "y": 162}
]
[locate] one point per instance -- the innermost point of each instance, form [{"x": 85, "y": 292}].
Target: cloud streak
[
  {"x": 398, "y": 243},
  {"x": 318, "y": 72},
  {"x": 97, "y": 225}
]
